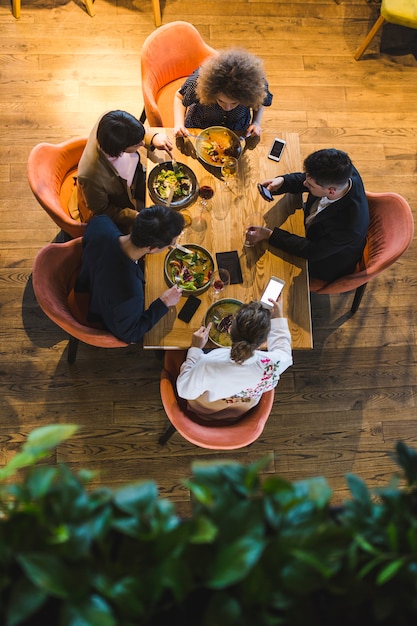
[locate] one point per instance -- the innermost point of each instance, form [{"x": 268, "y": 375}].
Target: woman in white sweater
[{"x": 225, "y": 383}]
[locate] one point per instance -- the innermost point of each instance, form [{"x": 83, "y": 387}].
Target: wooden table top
[{"x": 222, "y": 229}]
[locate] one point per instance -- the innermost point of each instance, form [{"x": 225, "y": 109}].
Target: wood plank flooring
[{"x": 343, "y": 405}]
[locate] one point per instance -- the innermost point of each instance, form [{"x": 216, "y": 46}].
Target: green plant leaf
[
  {"x": 47, "y": 572},
  {"x": 47, "y": 437},
  {"x": 93, "y": 612},
  {"x": 389, "y": 571},
  {"x": 234, "y": 561},
  {"x": 407, "y": 459},
  {"x": 39, "y": 442},
  {"x": 25, "y": 600},
  {"x": 204, "y": 531}
]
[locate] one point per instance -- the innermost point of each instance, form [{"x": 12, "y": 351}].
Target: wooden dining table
[{"x": 220, "y": 227}]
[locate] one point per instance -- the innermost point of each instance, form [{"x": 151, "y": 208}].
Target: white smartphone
[
  {"x": 273, "y": 289},
  {"x": 277, "y": 149}
]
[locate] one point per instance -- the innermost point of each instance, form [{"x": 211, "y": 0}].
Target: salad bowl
[
  {"x": 190, "y": 271},
  {"x": 164, "y": 177}
]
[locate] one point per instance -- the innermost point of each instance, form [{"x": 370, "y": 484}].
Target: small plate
[
  {"x": 178, "y": 202},
  {"x": 213, "y": 145},
  {"x": 217, "y": 312},
  {"x": 176, "y": 255}
]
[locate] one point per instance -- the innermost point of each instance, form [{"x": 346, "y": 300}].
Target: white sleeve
[
  {"x": 188, "y": 383},
  {"x": 279, "y": 343}
]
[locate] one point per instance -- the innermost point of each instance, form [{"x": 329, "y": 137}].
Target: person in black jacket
[
  {"x": 112, "y": 275},
  {"x": 336, "y": 215}
]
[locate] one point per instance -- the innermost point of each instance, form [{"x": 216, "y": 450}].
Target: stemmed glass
[
  {"x": 229, "y": 170},
  {"x": 219, "y": 280},
  {"x": 206, "y": 192}
]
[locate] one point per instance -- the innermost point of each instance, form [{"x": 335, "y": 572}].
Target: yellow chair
[
  {"x": 156, "y": 6},
  {"x": 400, "y": 12},
  {"x": 88, "y": 6}
]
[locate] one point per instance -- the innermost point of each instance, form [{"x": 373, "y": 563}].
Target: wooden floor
[{"x": 342, "y": 406}]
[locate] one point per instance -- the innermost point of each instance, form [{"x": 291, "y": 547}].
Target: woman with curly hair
[
  {"x": 225, "y": 383},
  {"x": 229, "y": 89}
]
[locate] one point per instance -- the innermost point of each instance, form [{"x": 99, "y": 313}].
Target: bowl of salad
[
  {"x": 181, "y": 178},
  {"x": 190, "y": 271}
]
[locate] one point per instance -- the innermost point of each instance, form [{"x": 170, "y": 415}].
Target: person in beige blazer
[{"x": 111, "y": 177}]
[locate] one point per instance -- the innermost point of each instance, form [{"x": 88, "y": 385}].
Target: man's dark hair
[
  {"x": 118, "y": 130},
  {"x": 329, "y": 167},
  {"x": 156, "y": 226}
]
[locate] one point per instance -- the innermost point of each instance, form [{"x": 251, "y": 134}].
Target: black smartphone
[
  {"x": 189, "y": 308},
  {"x": 265, "y": 193},
  {"x": 277, "y": 149},
  {"x": 230, "y": 261}
]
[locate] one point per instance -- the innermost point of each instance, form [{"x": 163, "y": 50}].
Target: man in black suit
[{"x": 336, "y": 215}]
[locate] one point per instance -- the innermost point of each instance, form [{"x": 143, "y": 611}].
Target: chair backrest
[
  {"x": 216, "y": 435},
  {"x": 54, "y": 272},
  {"x": 52, "y": 169},
  {"x": 168, "y": 56},
  {"x": 390, "y": 233}
]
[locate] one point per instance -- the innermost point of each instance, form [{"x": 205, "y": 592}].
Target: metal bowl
[
  {"x": 178, "y": 201},
  {"x": 217, "y": 312},
  {"x": 214, "y": 144},
  {"x": 176, "y": 255}
]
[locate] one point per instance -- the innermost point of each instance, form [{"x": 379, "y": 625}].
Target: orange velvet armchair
[
  {"x": 52, "y": 170},
  {"x": 219, "y": 435},
  {"x": 54, "y": 273},
  {"x": 390, "y": 233},
  {"x": 169, "y": 55}
]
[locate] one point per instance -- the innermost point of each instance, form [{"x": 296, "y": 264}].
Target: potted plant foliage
[{"x": 257, "y": 550}]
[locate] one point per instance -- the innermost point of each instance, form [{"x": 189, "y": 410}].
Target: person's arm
[
  {"x": 279, "y": 338},
  {"x": 155, "y": 139},
  {"x": 191, "y": 384},
  {"x": 254, "y": 129},
  {"x": 179, "y": 116}
]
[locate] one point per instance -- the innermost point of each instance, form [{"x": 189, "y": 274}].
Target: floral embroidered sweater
[{"x": 218, "y": 388}]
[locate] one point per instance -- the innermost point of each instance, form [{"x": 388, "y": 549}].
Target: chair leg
[
  {"x": 89, "y": 7},
  {"x": 359, "y": 52},
  {"x": 357, "y": 299},
  {"x": 72, "y": 349},
  {"x": 167, "y": 434},
  {"x": 16, "y": 8},
  {"x": 156, "y": 5}
]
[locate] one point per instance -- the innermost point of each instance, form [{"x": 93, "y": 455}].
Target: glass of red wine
[
  {"x": 219, "y": 280},
  {"x": 206, "y": 192}
]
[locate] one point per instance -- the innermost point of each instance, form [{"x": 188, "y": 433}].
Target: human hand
[
  {"x": 162, "y": 142},
  {"x": 276, "y": 310},
  {"x": 255, "y": 234},
  {"x": 180, "y": 131},
  {"x": 171, "y": 296},
  {"x": 253, "y": 130},
  {"x": 200, "y": 336},
  {"x": 273, "y": 184}
]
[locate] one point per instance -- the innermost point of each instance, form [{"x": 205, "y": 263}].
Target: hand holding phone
[
  {"x": 273, "y": 290},
  {"x": 265, "y": 193}
]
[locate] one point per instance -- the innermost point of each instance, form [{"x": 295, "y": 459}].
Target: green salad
[
  {"x": 177, "y": 179},
  {"x": 193, "y": 271}
]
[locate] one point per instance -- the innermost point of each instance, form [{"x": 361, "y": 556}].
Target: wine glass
[
  {"x": 229, "y": 170},
  {"x": 206, "y": 192},
  {"x": 255, "y": 219},
  {"x": 219, "y": 280}
]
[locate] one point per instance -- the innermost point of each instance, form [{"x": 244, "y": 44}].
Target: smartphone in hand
[
  {"x": 273, "y": 290},
  {"x": 265, "y": 193}
]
